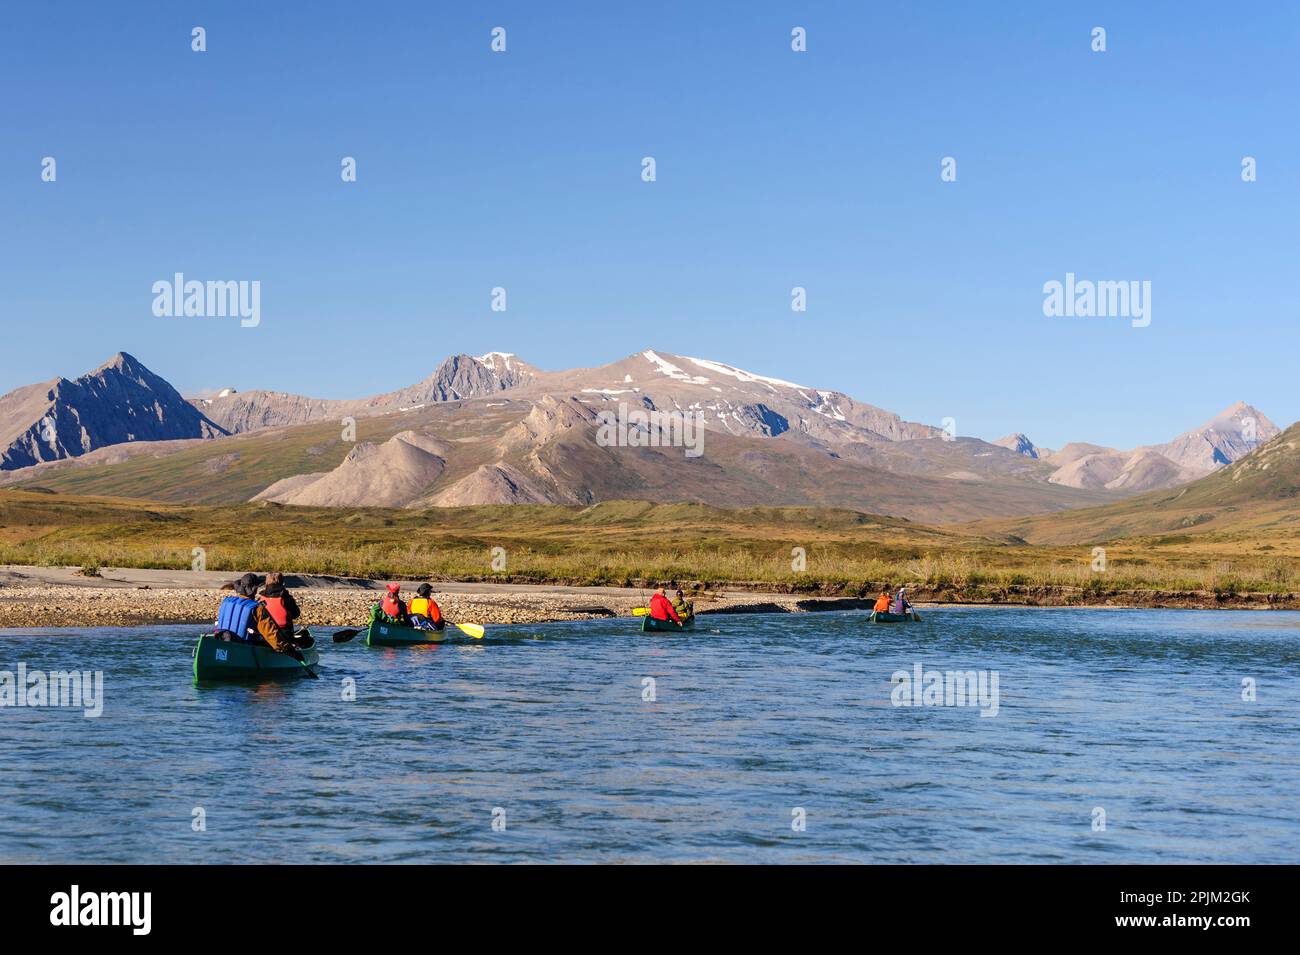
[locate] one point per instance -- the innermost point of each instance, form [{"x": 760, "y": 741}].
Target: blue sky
[{"x": 775, "y": 170}]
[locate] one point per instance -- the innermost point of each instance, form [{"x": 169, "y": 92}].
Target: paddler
[
  {"x": 424, "y": 610},
  {"x": 392, "y": 609},
  {"x": 245, "y": 619},
  {"x": 684, "y": 610},
  {"x": 280, "y": 604},
  {"x": 882, "y": 602},
  {"x": 900, "y": 606},
  {"x": 235, "y": 613},
  {"x": 661, "y": 608}
]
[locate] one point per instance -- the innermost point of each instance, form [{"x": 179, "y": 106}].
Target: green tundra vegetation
[{"x": 798, "y": 549}]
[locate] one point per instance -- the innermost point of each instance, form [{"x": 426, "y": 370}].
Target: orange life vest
[{"x": 882, "y": 604}]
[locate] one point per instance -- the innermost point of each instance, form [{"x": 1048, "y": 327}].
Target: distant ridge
[
  {"x": 1225, "y": 438},
  {"x": 1251, "y": 502},
  {"x": 458, "y": 377},
  {"x": 1228, "y": 436},
  {"x": 120, "y": 401}
]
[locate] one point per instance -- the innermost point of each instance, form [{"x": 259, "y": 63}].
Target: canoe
[
  {"x": 226, "y": 660},
  {"x": 880, "y": 617},
  {"x": 391, "y": 635},
  {"x": 650, "y": 624}
]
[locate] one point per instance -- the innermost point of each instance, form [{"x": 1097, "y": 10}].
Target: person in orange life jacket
[
  {"x": 882, "y": 602},
  {"x": 900, "y": 604},
  {"x": 243, "y": 618},
  {"x": 280, "y": 604},
  {"x": 392, "y": 609},
  {"x": 661, "y": 607},
  {"x": 424, "y": 610}
]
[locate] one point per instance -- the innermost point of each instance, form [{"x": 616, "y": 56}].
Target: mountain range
[
  {"x": 118, "y": 402},
  {"x": 1249, "y": 506},
  {"x": 494, "y": 429},
  {"x": 1229, "y": 435}
]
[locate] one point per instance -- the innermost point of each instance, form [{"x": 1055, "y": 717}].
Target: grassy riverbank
[{"x": 628, "y": 544}]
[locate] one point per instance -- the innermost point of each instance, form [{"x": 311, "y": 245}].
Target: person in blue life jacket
[{"x": 242, "y": 618}]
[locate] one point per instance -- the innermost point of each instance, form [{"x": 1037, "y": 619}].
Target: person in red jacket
[
  {"x": 661, "y": 608},
  {"x": 392, "y": 609}
]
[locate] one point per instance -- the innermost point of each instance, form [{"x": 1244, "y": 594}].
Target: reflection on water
[{"x": 596, "y": 742}]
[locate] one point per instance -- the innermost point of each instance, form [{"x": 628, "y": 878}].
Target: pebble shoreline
[{"x": 44, "y": 606}]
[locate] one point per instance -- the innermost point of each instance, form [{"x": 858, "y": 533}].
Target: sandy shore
[{"x": 61, "y": 597}]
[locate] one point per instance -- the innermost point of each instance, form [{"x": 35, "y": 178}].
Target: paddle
[{"x": 310, "y": 672}]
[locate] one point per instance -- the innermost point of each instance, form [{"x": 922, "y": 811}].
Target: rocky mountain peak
[
  {"x": 1020, "y": 444},
  {"x": 120, "y": 401}
]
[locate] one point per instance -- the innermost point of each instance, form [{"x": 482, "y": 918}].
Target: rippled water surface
[{"x": 1137, "y": 713}]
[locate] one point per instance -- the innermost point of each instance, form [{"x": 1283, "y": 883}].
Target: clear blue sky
[{"x": 775, "y": 169}]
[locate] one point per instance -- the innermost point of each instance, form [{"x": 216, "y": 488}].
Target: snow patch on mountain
[
  {"x": 497, "y": 360},
  {"x": 740, "y": 374},
  {"x": 672, "y": 371}
]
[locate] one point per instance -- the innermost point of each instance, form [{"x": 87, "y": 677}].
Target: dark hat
[
  {"x": 248, "y": 584},
  {"x": 424, "y": 590}
]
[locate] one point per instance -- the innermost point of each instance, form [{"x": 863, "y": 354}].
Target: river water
[{"x": 1113, "y": 737}]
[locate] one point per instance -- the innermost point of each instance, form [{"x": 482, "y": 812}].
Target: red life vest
[
  {"x": 662, "y": 609},
  {"x": 276, "y": 608},
  {"x": 393, "y": 607}
]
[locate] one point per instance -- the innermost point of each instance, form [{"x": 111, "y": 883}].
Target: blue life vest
[{"x": 234, "y": 615}]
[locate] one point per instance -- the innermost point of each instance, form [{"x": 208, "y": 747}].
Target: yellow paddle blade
[
  {"x": 640, "y": 611},
  {"x": 470, "y": 629}
]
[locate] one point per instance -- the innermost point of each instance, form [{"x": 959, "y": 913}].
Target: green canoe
[
  {"x": 391, "y": 635},
  {"x": 879, "y": 617},
  {"x": 650, "y": 624},
  {"x": 226, "y": 660}
]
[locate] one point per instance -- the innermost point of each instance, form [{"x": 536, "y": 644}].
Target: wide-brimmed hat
[
  {"x": 248, "y": 584},
  {"x": 424, "y": 590}
]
